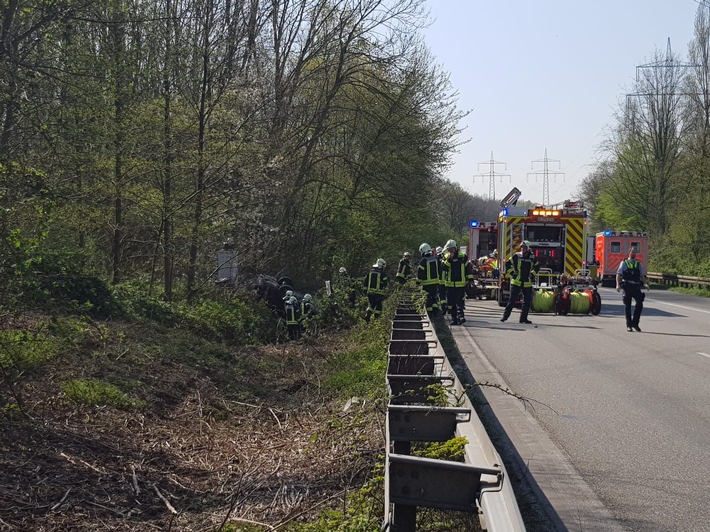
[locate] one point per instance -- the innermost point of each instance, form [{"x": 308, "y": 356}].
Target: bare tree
[
  {"x": 691, "y": 225},
  {"x": 647, "y": 145}
]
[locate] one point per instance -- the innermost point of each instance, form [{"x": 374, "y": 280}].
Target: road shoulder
[{"x": 551, "y": 493}]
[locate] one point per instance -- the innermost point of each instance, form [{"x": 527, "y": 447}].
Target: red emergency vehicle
[
  {"x": 482, "y": 238},
  {"x": 611, "y": 247}
]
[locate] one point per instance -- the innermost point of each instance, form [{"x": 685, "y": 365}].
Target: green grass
[
  {"x": 23, "y": 350},
  {"x": 93, "y": 392},
  {"x": 703, "y": 292}
]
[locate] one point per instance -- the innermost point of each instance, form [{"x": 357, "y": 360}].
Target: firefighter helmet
[
  {"x": 406, "y": 255},
  {"x": 342, "y": 271},
  {"x": 525, "y": 243},
  {"x": 288, "y": 295},
  {"x": 439, "y": 249},
  {"x": 307, "y": 298},
  {"x": 424, "y": 248},
  {"x": 451, "y": 244},
  {"x": 380, "y": 263}
]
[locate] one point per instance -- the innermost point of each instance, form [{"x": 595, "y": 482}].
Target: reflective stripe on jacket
[
  {"x": 404, "y": 269},
  {"x": 375, "y": 282},
  {"x": 458, "y": 270},
  {"x": 428, "y": 271},
  {"x": 522, "y": 269},
  {"x": 291, "y": 314},
  {"x": 632, "y": 273}
]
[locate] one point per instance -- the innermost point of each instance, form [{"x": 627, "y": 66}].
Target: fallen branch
[
  {"x": 166, "y": 501},
  {"x": 241, "y": 520},
  {"x": 309, "y": 509},
  {"x": 117, "y": 512},
  {"x": 87, "y": 464},
  {"x": 276, "y": 417},
  {"x": 61, "y": 501},
  {"x": 134, "y": 478}
]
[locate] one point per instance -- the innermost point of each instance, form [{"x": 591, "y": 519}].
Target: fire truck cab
[
  {"x": 611, "y": 247},
  {"x": 557, "y": 236}
]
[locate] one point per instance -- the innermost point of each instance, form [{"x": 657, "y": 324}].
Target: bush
[
  {"x": 137, "y": 303},
  {"x": 33, "y": 274},
  {"x": 72, "y": 293},
  {"x": 231, "y": 320}
]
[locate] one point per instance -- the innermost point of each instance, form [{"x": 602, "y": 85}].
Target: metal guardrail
[
  {"x": 679, "y": 280},
  {"x": 481, "y": 484}
]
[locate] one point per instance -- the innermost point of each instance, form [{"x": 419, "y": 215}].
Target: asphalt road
[{"x": 616, "y": 432}]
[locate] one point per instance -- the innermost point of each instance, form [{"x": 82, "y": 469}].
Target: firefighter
[
  {"x": 492, "y": 263},
  {"x": 521, "y": 267},
  {"x": 344, "y": 284},
  {"x": 308, "y": 307},
  {"x": 404, "y": 269},
  {"x": 375, "y": 284},
  {"x": 428, "y": 277},
  {"x": 458, "y": 273},
  {"x": 292, "y": 312},
  {"x": 631, "y": 278},
  {"x": 442, "y": 281}
]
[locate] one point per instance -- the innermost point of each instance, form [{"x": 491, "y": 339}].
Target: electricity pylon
[
  {"x": 659, "y": 82},
  {"x": 545, "y": 173},
  {"x": 491, "y": 175}
]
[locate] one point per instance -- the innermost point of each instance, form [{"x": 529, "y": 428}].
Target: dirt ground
[{"x": 192, "y": 459}]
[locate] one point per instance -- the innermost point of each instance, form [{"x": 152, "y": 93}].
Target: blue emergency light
[
  {"x": 473, "y": 223},
  {"x": 607, "y": 232}
]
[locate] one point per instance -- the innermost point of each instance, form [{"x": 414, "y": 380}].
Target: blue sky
[{"x": 545, "y": 75}]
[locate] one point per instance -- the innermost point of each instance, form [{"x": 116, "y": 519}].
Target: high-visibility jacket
[
  {"x": 404, "y": 269},
  {"x": 291, "y": 309},
  {"x": 521, "y": 268},
  {"x": 458, "y": 270},
  {"x": 375, "y": 282},
  {"x": 428, "y": 271},
  {"x": 630, "y": 271}
]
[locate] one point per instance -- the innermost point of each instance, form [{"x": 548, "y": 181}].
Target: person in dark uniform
[
  {"x": 404, "y": 269},
  {"x": 521, "y": 267},
  {"x": 292, "y": 314},
  {"x": 630, "y": 278},
  {"x": 428, "y": 277},
  {"x": 458, "y": 273},
  {"x": 443, "y": 304},
  {"x": 375, "y": 284}
]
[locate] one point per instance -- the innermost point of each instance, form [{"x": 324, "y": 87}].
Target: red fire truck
[
  {"x": 557, "y": 236},
  {"x": 611, "y": 247}
]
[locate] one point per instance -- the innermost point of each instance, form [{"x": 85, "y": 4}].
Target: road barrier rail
[
  {"x": 417, "y": 372},
  {"x": 679, "y": 280}
]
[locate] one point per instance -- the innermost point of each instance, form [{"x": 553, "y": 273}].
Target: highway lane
[{"x": 630, "y": 411}]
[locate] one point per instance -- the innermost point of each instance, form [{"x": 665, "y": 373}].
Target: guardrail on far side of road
[{"x": 679, "y": 280}]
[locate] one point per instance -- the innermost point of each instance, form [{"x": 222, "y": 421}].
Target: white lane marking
[
  {"x": 680, "y": 306},
  {"x": 703, "y": 354}
]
